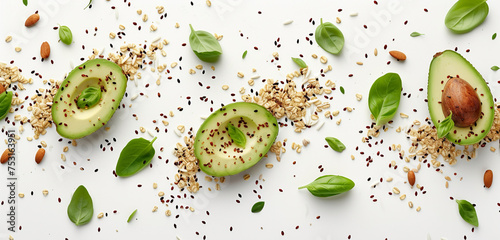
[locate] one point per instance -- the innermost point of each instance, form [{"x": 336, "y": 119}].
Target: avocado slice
[
  {"x": 449, "y": 65},
  {"x": 73, "y": 122},
  {"x": 217, "y": 153}
]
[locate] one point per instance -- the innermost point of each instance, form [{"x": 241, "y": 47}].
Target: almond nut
[
  {"x": 5, "y": 156},
  {"x": 2, "y": 89},
  {"x": 39, "y": 155},
  {"x": 32, "y": 20},
  {"x": 488, "y": 178},
  {"x": 398, "y": 55},
  {"x": 411, "y": 178},
  {"x": 45, "y": 50}
]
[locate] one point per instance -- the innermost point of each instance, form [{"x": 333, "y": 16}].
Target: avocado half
[
  {"x": 73, "y": 122},
  {"x": 444, "y": 66},
  {"x": 217, "y": 153}
]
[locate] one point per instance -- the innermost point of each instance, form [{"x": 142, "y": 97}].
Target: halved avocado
[
  {"x": 217, "y": 153},
  {"x": 449, "y": 65},
  {"x": 73, "y": 122}
]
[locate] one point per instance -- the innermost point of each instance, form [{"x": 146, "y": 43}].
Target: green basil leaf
[
  {"x": 465, "y": 15},
  {"x": 468, "y": 212},
  {"x": 416, "y": 34},
  {"x": 329, "y": 185},
  {"x": 299, "y": 62},
  {"x": 88, "y": 5},
  {"x": 81, "y": 208},
  {"x": 236, "y": 135},
  {"x": 495, "y": 68},
  {"x": 335, "y": 144},
  {"x": 25, "y": 2},
  {"x": 257, "y": 207},
  {"x": 329, "y": 37},
  {"x": 384, "y": 97},
  {"x": 65, "y": 35},
  {"x": 5, "y": 102},
  {"x": 131, "y": 215},
  {"x": 342, "y": 90},
  {"x": 445, "y": 126},
  {"x": 89, "y": 97},
  {"x": 494, "y": 36},
  {"x": 204, "y": 45},
  {"x": 136, "y": 155},
  {"x": 244, "y": 54}
]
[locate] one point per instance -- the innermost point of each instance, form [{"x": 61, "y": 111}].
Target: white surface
[{"x": 352, "y": 213}]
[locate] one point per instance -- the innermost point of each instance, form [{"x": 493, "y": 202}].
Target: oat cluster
[
  {"x": 41, "y": 109},
  {"x": 292, "y": 101},
  {"x": 187, "y": 166}
]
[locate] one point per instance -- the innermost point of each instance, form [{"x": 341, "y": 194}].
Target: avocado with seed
[
  {"x": 88, "y": 98},
  {"x": 218, "y": 154},
  {"x": 455, "y": 87}
]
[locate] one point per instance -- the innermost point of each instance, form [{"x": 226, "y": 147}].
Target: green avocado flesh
[
  {"x": 451, "y": 64},
  {"x": 218, "y": 154},
  {"x": 73, "y": 122}
]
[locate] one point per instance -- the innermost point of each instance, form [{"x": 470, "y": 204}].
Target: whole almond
[
  {"x": 411, "y": 178},
  {"x": 5, "y": 156},
  {"x": 45, "y": 50},
  {"x": 398, "y": 55},
  {"x": 488, "y": 178},
  {"x": 39, "y": 155},
  {"x": 2, "y": 89},
  {"x": 32, "y": 20}
]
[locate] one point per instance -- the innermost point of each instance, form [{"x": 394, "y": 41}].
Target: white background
[{"x": 353, "y": 213}]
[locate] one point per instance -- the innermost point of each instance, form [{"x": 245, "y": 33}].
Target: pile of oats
[
  {"x": 291, "y": 101},
  {"x": 41, "y": 109},
  {"x": 425, "y": 143},
  {"x": 188, "y": 166}
]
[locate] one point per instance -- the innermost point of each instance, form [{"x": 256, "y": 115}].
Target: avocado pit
[{"x": 462, "y": 101}]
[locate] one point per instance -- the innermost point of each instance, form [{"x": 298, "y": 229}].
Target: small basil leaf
[
  {"x": 89, "y": 97},
  {"x": 204, "y": 45},
  {"x": 445, "y": 126},
  {"x": 495, "y": 68},
  {"x": 468, "y": 212},
  {"x": 329, "y": 185},
  {"x": 236, "y": 135},
  {"x": 88, "y": 5},
  {"x": 329, "y": 37},
  {"x": 5, "y": 102},
  {"x": 65, "y": 35},
  {"x": 25, "y": 2},
  {"x": 131, "y": 215},
  {"x": 244, "y": 54},
  {"x": 416, "y": 34},
  {"x": 384, "y": 97},
  {"x": 137, "y": 154},
  {"x": 81, "y": 208},
  {"x": 494, "y": 36},
  {"x": 335, "y": 144},
  {"x": 257, "y": 207},
  {"x": 342, "y": 90},
  {"x": 465, "y": 15},
  {"x": 299, "y": 62}
]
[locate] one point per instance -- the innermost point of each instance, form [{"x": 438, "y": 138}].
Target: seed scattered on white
[
  {"x": 320, "y": 126},
  {"x": 177, "y": 132},
  {"x": 255, "y": 77},
  {"x": 134, "y": 97},
  {"x": 374, "y": 185},
  {"x": 151, "y": 134},
  {"x": 117, "y": 15},
  {"x": 354, "y": 14},
  {"x": 178, "y": 238},
  {"x": 136, "y": 83},
  {"x": 156, "y": 39},
  {"x": 71, "y": 65},
  {"x": 102, "y": 51},
  {"x": 428, "y": 236},
  {"x": 203, "y": 117},
  {"x": 182, "y": 170},
  {"x": 288, "y": 22}
]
